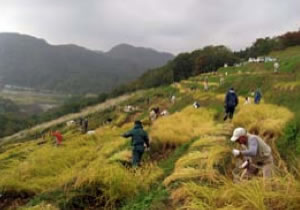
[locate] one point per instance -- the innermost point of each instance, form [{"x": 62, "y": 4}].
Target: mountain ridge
[{"x": 33, "y": 62}]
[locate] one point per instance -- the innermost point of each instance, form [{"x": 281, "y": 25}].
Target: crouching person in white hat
[{"x": 258, "y": 153}]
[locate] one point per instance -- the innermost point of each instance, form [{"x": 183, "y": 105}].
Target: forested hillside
[
  {"x": 11, "y": 118},
  {"x": 208, "y": 59}
]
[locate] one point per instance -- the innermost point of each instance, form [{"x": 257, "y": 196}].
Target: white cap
[{"x": 237, "y": 133}]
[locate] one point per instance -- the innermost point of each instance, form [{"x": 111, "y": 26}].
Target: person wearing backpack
[
  {"x": 231, "y": 101},
  {"x": 139, "y": 138}
]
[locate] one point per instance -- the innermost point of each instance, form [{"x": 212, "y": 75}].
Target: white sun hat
[{"x": 237, "y": 133}]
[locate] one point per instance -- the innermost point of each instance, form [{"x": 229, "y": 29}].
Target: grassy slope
[{"x": 190, "y": 163}]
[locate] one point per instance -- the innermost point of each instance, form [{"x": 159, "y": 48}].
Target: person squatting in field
[{"x": 258, "y": 155}]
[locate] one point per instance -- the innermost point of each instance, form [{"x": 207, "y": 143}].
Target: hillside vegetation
[{"x": 190, "y": 165}]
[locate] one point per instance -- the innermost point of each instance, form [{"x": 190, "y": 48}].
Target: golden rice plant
[
  {"x": 192, "y": 159},
  {"x": 124, "y": 155},
  {"x": 115, "y": 181},
  {"x": 199, "y": 196},
  {"x": 287, "y": 86},
  {"x": 200, "y": 163},
  {"x": 182, "y": 126},
  {"x": 207, "y": 141},
  {"x": 205, "y": 159},
  {"x": 41, "y": 168},
  {"x": 41, "y": 206},
  {"x": 47, "y": 167},
  {"x": 190, "y": 173},
  {"x": 199, "y": 166},
  {"x": 277, "y": 193},
  {"x": 281, "y": 193},
  {"x": 263, "y": 119},
  {"x": 222, "y": 130}
]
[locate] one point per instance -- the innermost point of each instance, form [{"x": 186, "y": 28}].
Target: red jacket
[{"x": 58, "y": 136}]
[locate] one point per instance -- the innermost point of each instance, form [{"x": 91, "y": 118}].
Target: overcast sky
[{"x": 166, "y": 25}]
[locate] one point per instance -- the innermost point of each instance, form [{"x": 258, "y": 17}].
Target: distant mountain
[
  {"x": 141, "y": 56},
  {"x": 30, "y": 62}
]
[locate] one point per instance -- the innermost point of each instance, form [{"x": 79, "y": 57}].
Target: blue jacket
[
  {"x": 231, "y": 99},
  {"x": 257, "y": 96}
]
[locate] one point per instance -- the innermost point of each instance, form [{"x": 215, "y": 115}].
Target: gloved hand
[
  {"x": 236, "y": 152},
  {"x": 244, "y": 165}
]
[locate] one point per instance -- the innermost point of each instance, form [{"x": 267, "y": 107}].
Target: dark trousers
[
  {"x": 137, "y": 154},
  {"x": 229, "y": 112},
  {"x": 256, "y": 100}
]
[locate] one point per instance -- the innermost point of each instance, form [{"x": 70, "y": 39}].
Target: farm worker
[
  {"x": 58, "y": 137},
  {"x": 139, "y": 137},
  {"x": 152, "y": 115},
  {"x": 257, "y": 96},
  {"x": 85, "y": 125},
  {"x": 196, "y": 104},
  {"x": 164, "y": 113},
  {"x": 231, "y": 101},
  {"x": 80, "y": 121},
  {"x": 276, "y": 67},
  {"x": 247, "y": 100},
  {"x": 173, "y": 98},
  {"x": 205, "y": 83},
  {"x": 222, "y": 80},
  {"x": 259, "y": 154}
]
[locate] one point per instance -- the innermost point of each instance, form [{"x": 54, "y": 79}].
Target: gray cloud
[{"x": 161, "y": 24}]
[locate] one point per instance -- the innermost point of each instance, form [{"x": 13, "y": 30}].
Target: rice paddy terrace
[{"x": 190, "y": 163}]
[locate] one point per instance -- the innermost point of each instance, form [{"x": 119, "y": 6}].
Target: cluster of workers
[
  {"x": 232, "y": 100},
  {"x": 257, "y": 155},
  {"x": 83, "y": 127}
]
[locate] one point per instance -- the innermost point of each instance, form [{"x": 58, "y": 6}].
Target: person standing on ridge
[
  {"x": 257, "y": 96},
  {"x": 205, "y": 84},
  {"x": 276, "y": 67},
  {"x": 222, "y": 79},
  {"x": 258, "y": 154},
  {"x": 231, "y": 101},
  {"x": 80, "y": 121},
  {"x": 139, "y": 138},
  {"x": 173, "y": 98},
  {"x": 85, "y": 125}
]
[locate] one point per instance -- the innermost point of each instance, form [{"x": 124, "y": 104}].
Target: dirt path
[{"x": 86, "y": 111}]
